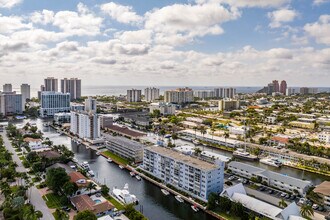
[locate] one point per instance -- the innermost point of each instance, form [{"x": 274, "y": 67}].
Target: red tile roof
[{"x": 84, "y": 202}]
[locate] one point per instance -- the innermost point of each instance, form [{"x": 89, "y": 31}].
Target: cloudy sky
[{"x": 166, "y": 42}]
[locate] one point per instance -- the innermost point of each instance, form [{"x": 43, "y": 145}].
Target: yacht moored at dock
[
  {"x": 242, "y": 154},
  {"x": 138, "y": 177},
  {"x": 121, "y": 166},
  {"x": 165, "y": 192},
  {"x": 132, "y": 174},
  {"x": 179, "y": 198},
  {"x": 109, "y": 160},
  {"x": 195, "y": 208},
  {"x": 124, "y": 196},
  {"x": 271, "y": 161}
]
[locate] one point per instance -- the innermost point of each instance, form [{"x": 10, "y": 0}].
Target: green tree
[
  {"x": 85, "y": 215},
  {"x": 105, "y": 190},
  {"x": 70, "y": 188},
  {"x": 306, "y": 211},
  {"x": 212, "y": 201},
  {"x": 90, "y": 187},
  {"x": 237, "y": 209},
  {"x": 282, "y": 203},
  {"x": 175, "y": 137},
  {"x": 56, "y": 178},
  {"x": 61, "y": 215},
  {"x": 34, "y": 129}
]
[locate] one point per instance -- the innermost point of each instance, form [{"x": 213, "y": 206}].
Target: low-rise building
[
  {"x": 82, "y": 183},
  {"x": 191, "y": 175},
  {"x": 106, "y": 121},
  {"x": 277, "y": 180},
  {"x": 163, "y": 107},
  {"x": 299, "y": 124},
  {"x": 125, "y": 131},
  {"x": 270, "y": 120},
  {"x": 128, "y": 149},
  {"x": 323, "y": 190},
  {"x": 62, "y": 117},
  {"x": 324, "y": 137},
  {"x": 34, "y": 144},
  {"x": 237, "y": 130}
]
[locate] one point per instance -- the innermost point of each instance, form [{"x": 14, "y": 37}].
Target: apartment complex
[
  {"x": 204, "y": 94},
  {"x": 128, "y": 149},
  {"x": 26, "y": 94},
  {"x": 283, "y": 87},
  {"x": 133, "y": 95},
  {"x": 10, "y": 103},
  {"x": 306, "y": 90},
  {"x": 323, "y": 190},
  {"x": 50, "y": 84},
  {"x": 273, "y": 179},
  {"x": 151, "y": 94},
  {"x": 224, "y": 92},
  {"x": 7, "y": 87},
  {"x": 54, "y": 102},
  {"x": 228, "y": 104},
  {"x": 163, "y": 107},
  {"x": 191, "y": 175},
  {"x": 72, "y": 86},
  {"x": 180, "y": 95},
  {"x": 324, "y": 137}
]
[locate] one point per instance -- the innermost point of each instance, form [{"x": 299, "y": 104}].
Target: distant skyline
[{"x": 166, "y": 43}]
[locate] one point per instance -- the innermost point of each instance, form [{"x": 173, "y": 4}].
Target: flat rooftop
[
  {"x": 182, "y": 158},
  {"x": 133, "y": 145}
]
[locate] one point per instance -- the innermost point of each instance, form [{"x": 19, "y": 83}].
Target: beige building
[
  {"x": 228, "y": 104},
  {"x": 323, "y": 190},
  {"x": 180, "y": 95},
  {"x": 299, "y": 124}
]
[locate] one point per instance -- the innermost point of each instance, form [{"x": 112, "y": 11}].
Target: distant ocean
[{"x": 121, "y": 90}]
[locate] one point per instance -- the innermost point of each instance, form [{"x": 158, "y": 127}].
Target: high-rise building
[
  {"x": 283, "y": 87},
  {"x": 196, "y": 177},
  {"x": 290, "y": 91},
  {"x": 25, "y": 91},
  {"x": 276, "y": 86},
  {"x": 204, "y": 94},
  {"x": 180, "y": 95},
  {"x": 224, "y": 92},
  {"x": 7, "y": 87},
  {"x": 51, "y": 84},
  {"x": 228, "y": 105},
  {"x": 151, "y": 94},
  {"x": 10, "y": 103},
  {"x": 72, "y": 86},
  {"x": 90, "y": 105},
  {"x": 133, "y": 95},
  {"x": 54, "y": 102},
  {"x": 85, "y": 125},
  {"x": 306, "y": 90}
]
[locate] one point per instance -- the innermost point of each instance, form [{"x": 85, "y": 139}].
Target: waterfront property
[
  {"x": 277, "y": 180},
  {"x": 191, "y": 175},
  {"x": 54, "y": 102},
  {"x": 125, "y": 131},
  {"x": 323, "y": 190},
  {"x": 34, "y": 144},
  {"x": 238, "y": 194},
  {"x": 211, "y": 139},
  {"x": 85, "y": 125},
  {"x": 82, "y": 183},
  {"x": 163, "y": 107},
  {"x": 128, "y": 149},
  {"x": 62, "y": 117},
  {"x": 10, "y": 103}
]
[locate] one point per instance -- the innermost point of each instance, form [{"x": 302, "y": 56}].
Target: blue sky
[{"x": 195, "y": 42}]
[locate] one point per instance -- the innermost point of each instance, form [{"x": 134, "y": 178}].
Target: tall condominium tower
[
  {"x": 276, "y": 86},
  {"x": 133, "y": 95},
  {"x": 180, "y": 95},
  {"x": 72, "y": 86},
  {"x": 51, "y": 84},
  {"x": 7, "y": 88},
  {"x": 90, "y": 104},
  {"x": 283, "y": 87},
  {"x": 151, "y": 94},
  {"x": 25, "y": 91}
]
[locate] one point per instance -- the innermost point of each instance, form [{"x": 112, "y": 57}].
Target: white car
[
  {"x": 231, "y": 178},
  {"x": 315, "y": 206},
  {"x": 302, "y": 201}
]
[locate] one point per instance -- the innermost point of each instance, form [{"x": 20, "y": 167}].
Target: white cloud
[
  {"x": 121, "y": 13},
  {"x": 280, "y": 53},
  {"x": 281, "y": 16},
  {"x": 44, "y": 17},
  {"x": 320, "y": 30},
  {"x": 9, "y": 3},
  {"x": 249, "y": 3},
  {"x": 11, "y": 24},
  {"x": 320, "y": 2},
  {"x": 140, "y": 36}
]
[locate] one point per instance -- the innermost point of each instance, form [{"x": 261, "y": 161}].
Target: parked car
[
  {"x": 262, "y": 188},
  {"x": 283, "y": 194},
  {"x": 270, "y": 191},
  {"x": 231, "y": 178},
  {"x": 321, "y": 209},
  {"x": 302, "y": 201},
  {"x": 292, "y": 197},
  {"x": 65, "y": 208},
  {"x": 287, "y": 196}
]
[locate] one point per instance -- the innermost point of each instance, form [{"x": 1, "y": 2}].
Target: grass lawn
[
  {"x": 54, "y": 201},
  {"x": 18, "y": 150},
  {"x": 114, "y": 202},
  {"x": 21, "y": 157},
  {"x": 115, "y": 157}
]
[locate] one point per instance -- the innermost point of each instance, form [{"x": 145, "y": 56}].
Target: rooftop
[
  {"x": 133, "y": 145},
  {"x": 183, "y": 158},
  {"x": 323, "y": 188},
  {"x": 84, "y": 202},
  {"x": 125, "y": 131}
]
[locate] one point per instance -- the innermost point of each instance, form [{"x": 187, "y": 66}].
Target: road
[{"x": 35, "y": 196}]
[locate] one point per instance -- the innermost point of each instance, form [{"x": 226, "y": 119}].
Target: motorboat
[
  {"x": 109, "y": 160},
  {"x": 243, "y": 154},
  {"x": 165, "y": 192},
  {"x": 121, "y": 166},
  {"x": 124, "y": 196},
  {"x": 91, "y": 173},
  {"x": 75, "y": 160},
  {"x": 271, "y": 161},
  {"x": 179, "y": 198},
  {"x": 138, "y": 177},
  {"x": 85, "y": 166},
  {"x": 98, "y": 153},
  {"x": 195, "y": 208},
  {"x": 132, "y": 174}
]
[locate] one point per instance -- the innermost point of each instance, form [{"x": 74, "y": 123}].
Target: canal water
[{"x": 152, "y": 203}]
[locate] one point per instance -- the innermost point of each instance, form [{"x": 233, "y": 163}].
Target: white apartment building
[
  {"x": 204, "y": 94},
  {"x": 163, "y": 107},
  {"x": 72, "y": 86},
  {"x": 151, "y": 94},
  {"x": 237, "y": 130},
  {"x": 277, "y": 180},
  {"x": 290, "y": 91},
  {"x": 133, "y": 95},
  {"x": 54, "y": 102},
  {"x": 90, "y": 104},
  {"x": 191, "y": 175},
  {"x": 10, "y": 103},
  {"x": 225, "y": 92},
  {"x": 85, "y": 125},
  {"x": 270, "y": 120},
  {"x": 26, "y": 94},
  {"x": 180, "y": 95},
  {"x": 324, "y": 137}
]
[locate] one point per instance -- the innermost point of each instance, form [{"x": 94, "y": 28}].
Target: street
[{"x": 35, "y": 199}]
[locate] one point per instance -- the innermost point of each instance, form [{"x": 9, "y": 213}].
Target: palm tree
[
  {"x": 226, "y": 135},
  {"x": 203, "y": 131},
  {"x": 306, "y": 211},
  {"x": 61, "y": 214},
  {"x": 195, "y": 129},
  {"x": 282, "y": 203},
  {"x": 90, "y": 187}
]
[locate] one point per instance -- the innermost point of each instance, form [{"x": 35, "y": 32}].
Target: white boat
[
  {"x": 91, "y": 173},
  {"x": 195, "y": 208},
  {"x": 165, "y": 192},
  {"x": 271, "y": 161},
  {"x": 242, "y": 154},
  {"x": 75, "y": 160},
  {"x": 124, "y": 196},
  {"x": 179, "y": 198},
  {"x": 138, "y": 177},
  {"x": 195, "y": 141},
  {"x": 84, "y": 165},
  {"x": 121, "y": 167},
  {"x": 132, "y": 174},
  {"x": 109, "y": 160},
  {"x": 98, "y": 153}
]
